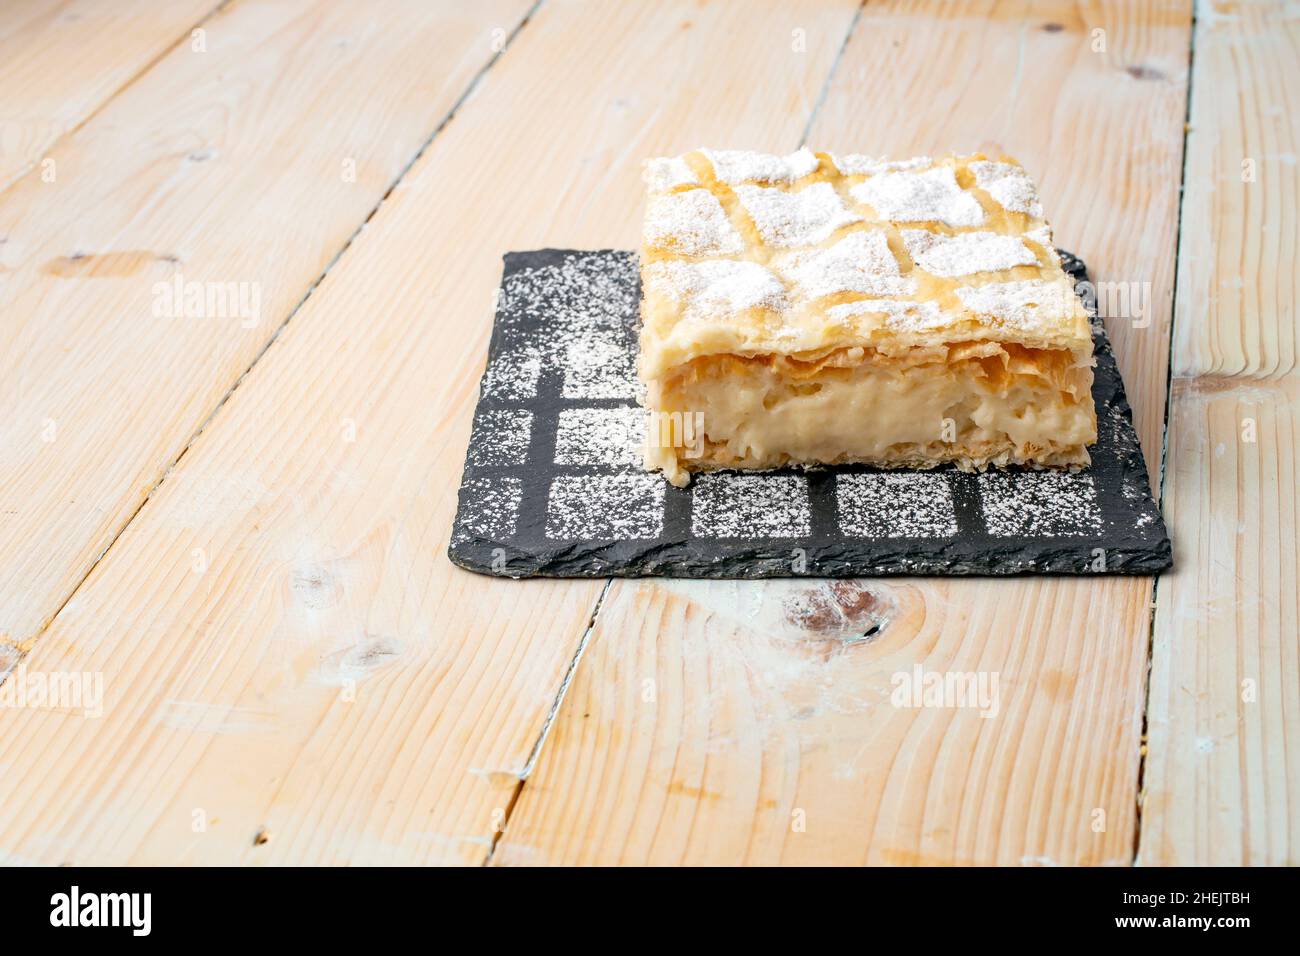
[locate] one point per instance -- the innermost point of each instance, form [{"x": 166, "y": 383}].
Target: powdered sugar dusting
[
  {"x": 691, "y": 222},
  {"x": 605, "y": 507},
  {"x": 717, "y": 288},
  {"x": 733, "y": 166},
  {"x": 1010, "y": 185},
  {"x": 489, "y": 508},
  {"x": 787, "y": 270},
  {"x": 966, "y": 253},
  {"x": 590, "y": 303},
  {"x": 500, "y": 437},
  {"x": 1032, "y": 304},
  {"x": 597, "y": 365},
  {"x": 595, "y": 290},
  {"x": 1039, "y": 503},
  {"x": 895, "y": 506},
  {"x": 749, "y": 506},
  {"x": 920, "y": 197},
  {"x": 665, "y": 172},
  {"x": 860, "y": 262},
  {"x": 901, "y": 315},
  {"x": 800, "y": 218},
  {"x": 1041, "y": 235},
  {"x": 856, "y": 164},
  {"x": 513, "y": 376},
  {"x": 607, "y": 437}
]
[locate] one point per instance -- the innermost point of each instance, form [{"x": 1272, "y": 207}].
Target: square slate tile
[
  {"x": 729, "y": 505},
  {"x": 500, "y": 437},
  {"x": 1039, "y": 504},
  {"x": 599, "y": 364},
  {"x": 513, "y": 375},
  {"x": 611, "y": 437},
  {"x": 884, "y": 505},
  {"x": 605, "y": 507},
  {"x": 489, "y": 509}
]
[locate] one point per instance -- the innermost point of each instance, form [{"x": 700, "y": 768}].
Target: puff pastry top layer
[{"x": 753, "y": 254}]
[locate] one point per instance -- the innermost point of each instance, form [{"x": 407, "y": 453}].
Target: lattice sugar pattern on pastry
[{"x": 819, "y": 230}]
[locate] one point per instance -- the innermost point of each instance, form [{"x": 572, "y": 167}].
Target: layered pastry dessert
[{"x": 819, "y": 308}]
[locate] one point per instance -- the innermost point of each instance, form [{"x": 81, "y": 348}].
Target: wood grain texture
[
  {"x": 729, "y": 723},
  {"x": 60, "y": 62},
  {"x": 1238, "y": 285},
  {"x": 1222, "y": 784},
  {"x": 326, "y": 674},
  {"x": 245, "y": 166}
]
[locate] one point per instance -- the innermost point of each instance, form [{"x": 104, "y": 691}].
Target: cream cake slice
[{"x": 820, "y": 308}]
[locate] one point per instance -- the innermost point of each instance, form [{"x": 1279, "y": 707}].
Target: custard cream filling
[{"x": 972, "y": 403}]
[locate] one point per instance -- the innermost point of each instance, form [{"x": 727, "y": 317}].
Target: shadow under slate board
[{"x": 553, "y": 484}]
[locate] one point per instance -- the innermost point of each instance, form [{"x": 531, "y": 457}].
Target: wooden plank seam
[
  {"x": 529, "y": 764},
  {"x": 1164, "y": 447}
]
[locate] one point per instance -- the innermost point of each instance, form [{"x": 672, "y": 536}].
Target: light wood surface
[
  {"x": 250, "y": 162},
  {"x": 242, "y": 531},
  {"x": 766, "y": 716},
  {"x": 59, "y": 63},
  {"x": 1223, "y": 771}
]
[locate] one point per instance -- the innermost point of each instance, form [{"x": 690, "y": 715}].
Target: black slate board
[{"x": 552, "y": 484}]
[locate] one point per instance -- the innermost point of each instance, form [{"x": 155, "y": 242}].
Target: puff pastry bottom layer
[{"x": 975, "y": 404}]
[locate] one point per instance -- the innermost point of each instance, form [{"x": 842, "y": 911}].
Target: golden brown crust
[{"x": 752, "y": 239}]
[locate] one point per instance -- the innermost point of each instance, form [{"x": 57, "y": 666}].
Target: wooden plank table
[{"x": 237, "y": 523}]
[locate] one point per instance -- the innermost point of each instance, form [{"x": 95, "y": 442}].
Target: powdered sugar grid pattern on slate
[{"x": 554, "y": 454}]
